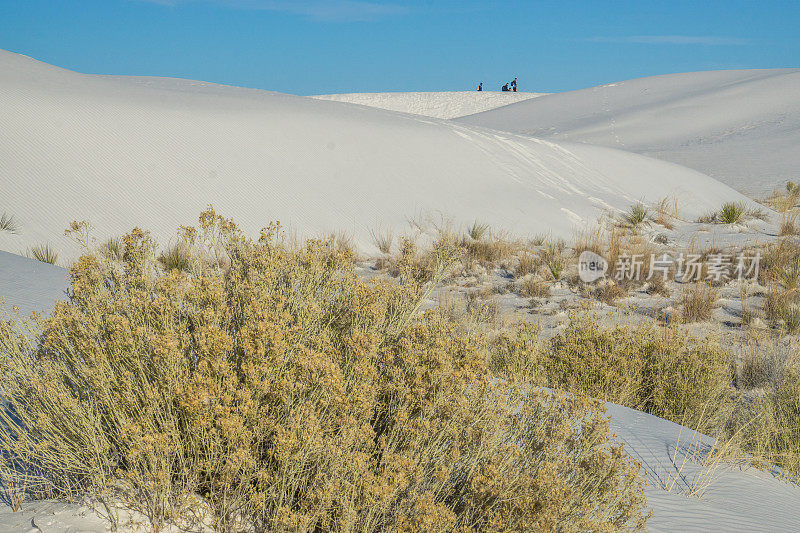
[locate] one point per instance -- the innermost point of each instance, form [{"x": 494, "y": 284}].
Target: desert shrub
[
  {"x": 341, "y": 242},
  {"x": 539, "y": 239},
  {"x": 488, "y": 250},
  {"x": 788, "y": 226},
  {"x": 9, "y": 224},
  {"x": 287, "y": 394},
  {"x": 698, "y": 302},
  {"x": 665, "y": 374},
  {"x": 532, "y": 287},
  {"x": 636, "y": 215},
  {"x": 176, "y": 257},
  {"x": 609, "y": 291},
  {"x": 555, "y": 258},
  {"x": 383, "y": 240},
  {"x": 731, "y": 212},
  {"x": 528, "y": 264},
  {"x": 589, "y": 238},
  {"x": 778, "y": 259},
  {"x": 477, "y": 231},
  {"x": 774, "y": 438},
  {"x": 658, "y": 285},
  {"x": 44, "y": 253}
]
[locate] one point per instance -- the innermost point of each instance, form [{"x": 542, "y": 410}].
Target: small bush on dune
[
  {"x": 698, "y": 302},
  {"x": 112, "y": 249},
  {"x": 477, "y": 231},
  {"x": 44, "y": 253},
  {"x": 528, "y": 264},
  {"x": 555, "y": 259},
  {"x": 534, "y": 288},
  {"x": 637, "y": 215},
  {"x": 775, "y": 437},
  {"x": 731, "y": 212},
  {"x": 9, "y": 224},
  {"x": 383, "y": 241},
  {"x": 287, "y": 394},
  {"x": 664, "y": 374}
]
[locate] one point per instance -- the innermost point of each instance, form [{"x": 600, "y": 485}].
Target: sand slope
[
  {"x": 739, "y": 126},
  {"x": 736, "y": 499},
  {"x": 30, "y": 285},
  {"x": 124, "y": 152},
  {"x": 436, "y": 105}
]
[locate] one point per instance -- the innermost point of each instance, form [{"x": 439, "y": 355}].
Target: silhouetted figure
[
  {"x": 505, "y": 88},
  {"x": 514, "y": 84},
  {"x": 480, "y": 86}
]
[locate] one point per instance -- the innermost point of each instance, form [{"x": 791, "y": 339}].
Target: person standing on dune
[
  {"x": 514, "y": 85},
  {"x": 480, "y": 86}
]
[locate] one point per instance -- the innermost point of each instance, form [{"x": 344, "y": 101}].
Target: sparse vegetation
[
  {"x": 698, "y": 302},
  {"x": 9, "y": 224},
  {"x": 732, "y": 212},
  {"x": 534, "y": 288},
  {"x": 383, "y": 241},
  {"x": 477, "y": 231},
  {"x": 44, "y": 253},
  {"x": 555, "y": 259},
  {"x": 667, "y": 212},
  {"x": 528, "y": 263},
  {"x": 637, "y": 215}
]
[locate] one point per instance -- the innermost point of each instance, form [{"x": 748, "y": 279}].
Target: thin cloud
[
  {"x": 672, "y": 39},
  {"x": 330, "y": 10}
]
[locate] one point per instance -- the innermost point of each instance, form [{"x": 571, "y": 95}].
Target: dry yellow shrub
[{"x": 286, "y": 394}]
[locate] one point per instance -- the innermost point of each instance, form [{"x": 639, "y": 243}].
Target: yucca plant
[
  {"x": 477, "y": 231},
  {"x": 637, "y": 215},
  {"x": 44, "y": 253},
  {"x": 176, "y": 257},
  {"x": 732, "y": 212},
  {"x": 7, "y": 223}
]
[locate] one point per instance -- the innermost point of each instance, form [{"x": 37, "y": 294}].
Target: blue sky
[{"x": 328, "y": 46}]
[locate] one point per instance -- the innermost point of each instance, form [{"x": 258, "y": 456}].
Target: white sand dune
[
  {"x": 733, "y": 498},
  {"x": 451, "y": 104},
  {"x": 123, "y": 152},
  {"x": 30, "y": 285},
  {"x": 741, "y": 127}
]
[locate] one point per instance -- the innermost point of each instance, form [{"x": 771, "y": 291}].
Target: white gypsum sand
[
  {"x": 741, "y": 127},
  {"x": 30, "y": 285},
  {"x": 446, "y": 104},
  {"x": 123, "y": 152}
]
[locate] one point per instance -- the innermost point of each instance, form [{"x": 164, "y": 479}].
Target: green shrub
[
  {"x": 637, "y": 215},
  {"x": 732, "y": 212},
  {"x": 282, "y": 392}
]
